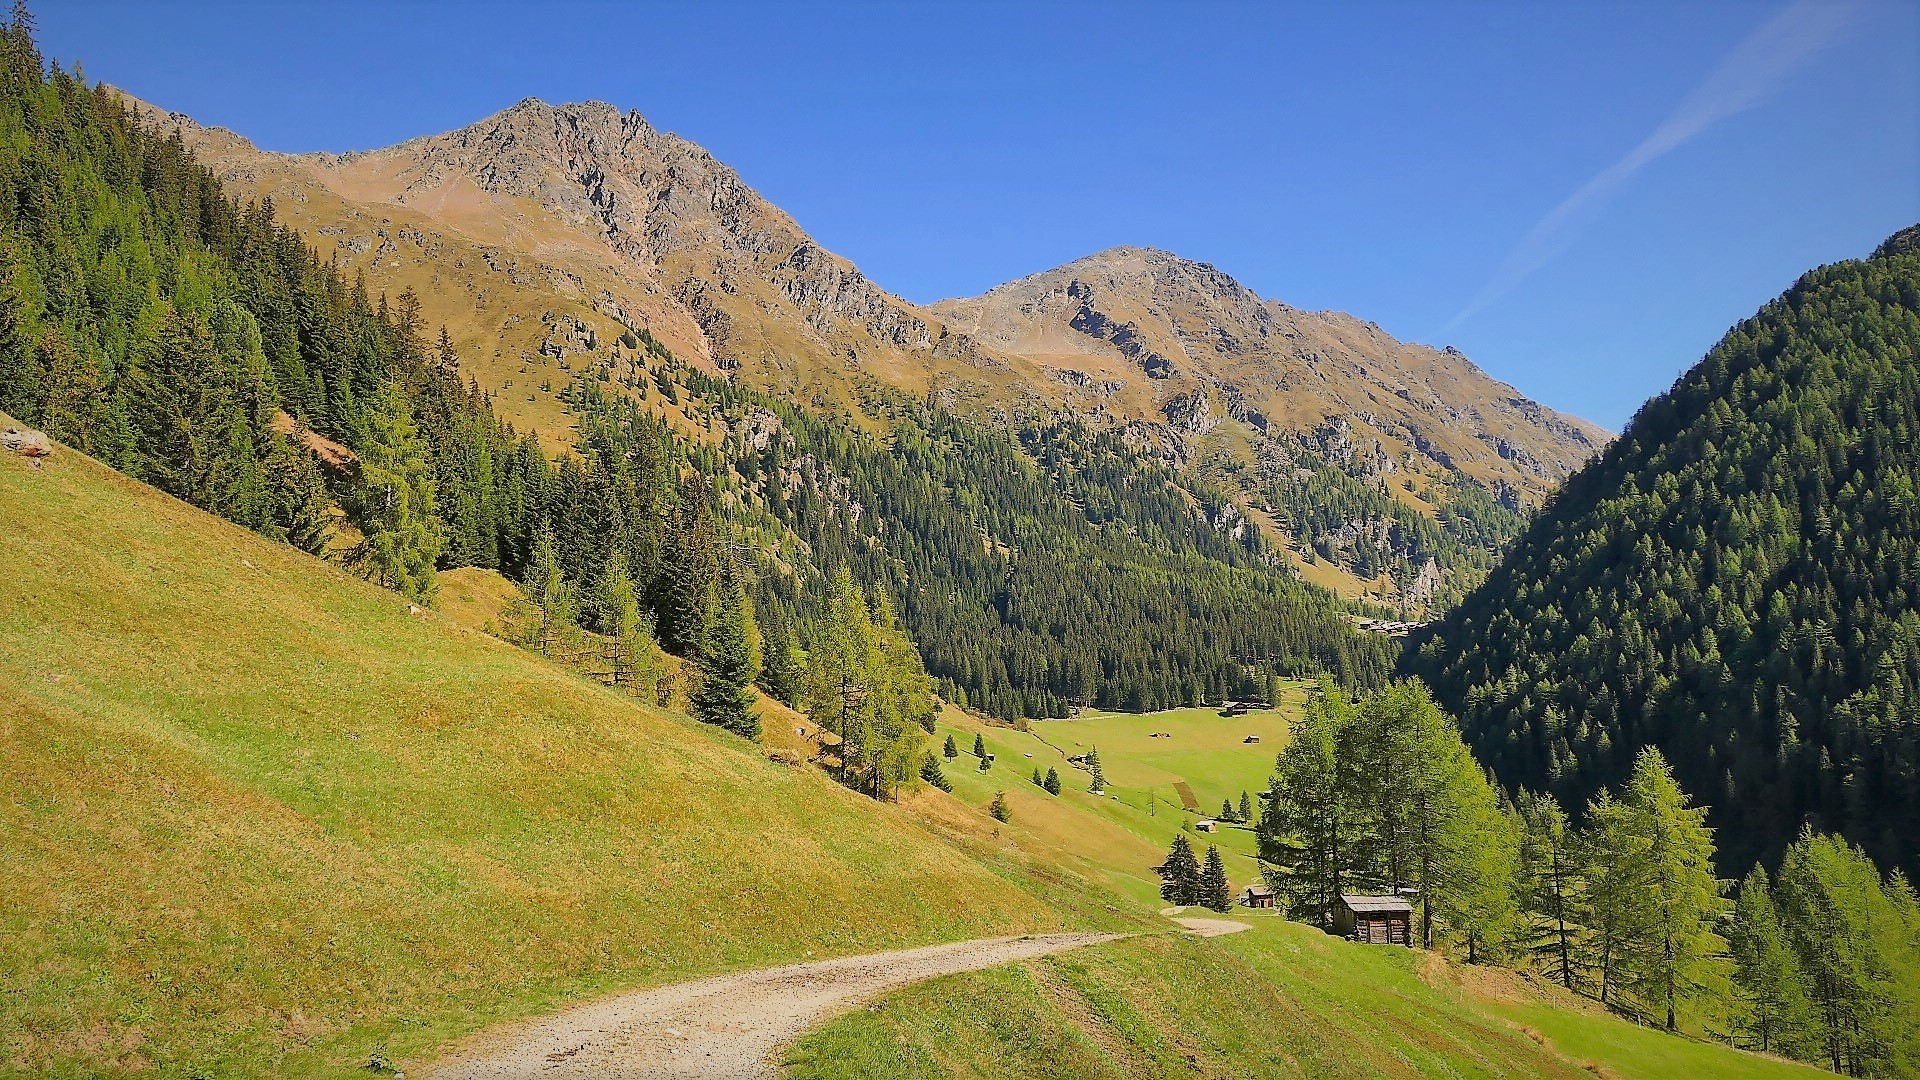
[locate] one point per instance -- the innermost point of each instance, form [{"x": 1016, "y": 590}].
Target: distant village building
[
  {"x": 1375, "y": 920},
  {"x": 1258, "y": 896},
  {"x": 1206, "y": 825},
  {"x": 1251, "y": 740}
]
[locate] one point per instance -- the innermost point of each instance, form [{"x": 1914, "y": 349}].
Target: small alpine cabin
[
  {"x": 1374, "y": 920},
  {"x": 1258, "y": 896}
]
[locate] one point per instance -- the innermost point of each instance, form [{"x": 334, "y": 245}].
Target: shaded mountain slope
[{"x": 1736, "y": 581}]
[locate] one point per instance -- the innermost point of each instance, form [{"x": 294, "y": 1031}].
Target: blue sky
[{"x": 1583, "y": 197}]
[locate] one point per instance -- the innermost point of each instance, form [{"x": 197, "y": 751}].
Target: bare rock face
[
  {"x": 1183, "y": 331},
  {"x": 667, "y": 207}
]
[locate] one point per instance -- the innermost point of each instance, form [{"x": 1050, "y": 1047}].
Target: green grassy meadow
[
  {"x": 259, "y": 818},
  {"x": 1117, "y": 837},
  {"x": 1279, "y": 1000}
]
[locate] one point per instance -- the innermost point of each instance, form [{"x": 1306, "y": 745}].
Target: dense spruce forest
[
  {"x": 1039, "y": 574},
  {"x": 1071, "y": 574},
  {"x": 1735, "y": 582}
]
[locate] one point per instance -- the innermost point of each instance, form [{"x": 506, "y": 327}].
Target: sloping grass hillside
[
  {"x": 1116, "y": 837},
  {"x": 1279, "y": 1000},
  {"x": 259, "y": 818}
]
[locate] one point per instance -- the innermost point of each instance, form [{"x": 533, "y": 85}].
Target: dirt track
[{"x": 726, "y": 1026}]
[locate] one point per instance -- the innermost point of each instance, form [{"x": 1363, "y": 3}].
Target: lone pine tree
[
  {"x": 1214, "y": 891},
  {"x": 930, "y": 772},
  {"x": 724, "y": 696},
  {"x": 1180, "y": 874}
]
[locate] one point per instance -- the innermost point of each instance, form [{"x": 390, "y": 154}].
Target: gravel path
[
  {"x": 1212, "y": 927},
  {"x": 726, "y": 1026}
]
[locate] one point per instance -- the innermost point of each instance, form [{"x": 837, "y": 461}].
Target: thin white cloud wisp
[{"x": 1738, "y": 82}]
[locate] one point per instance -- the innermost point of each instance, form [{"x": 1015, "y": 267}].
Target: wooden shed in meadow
[
  {"x": 1258, "y": 896},
  {"x": 1376, "y": 920}
]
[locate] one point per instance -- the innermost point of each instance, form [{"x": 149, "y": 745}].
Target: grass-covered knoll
[
  {"x": 1116, "y": 837},
  {"x": 1280, "y": 1000},
  {"x": 258, "y": 817},
  {"x": 1201, "y": 747}
]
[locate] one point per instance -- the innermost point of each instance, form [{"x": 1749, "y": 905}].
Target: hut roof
[
  {"x": 1259, "y": 890},
  {"x": 1376, "y": 904}
]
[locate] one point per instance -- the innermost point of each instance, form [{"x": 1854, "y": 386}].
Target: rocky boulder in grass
[{"x": 28, "y": 443}]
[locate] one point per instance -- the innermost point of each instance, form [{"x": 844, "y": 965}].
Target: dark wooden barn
[
  {"x": 1258, "y": 896},
  {"x": 1377, "y": 920}
]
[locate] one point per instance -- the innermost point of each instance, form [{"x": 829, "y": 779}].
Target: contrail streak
[{"x": 1738, "y": 82}]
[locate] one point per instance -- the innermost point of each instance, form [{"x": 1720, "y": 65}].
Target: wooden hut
[
  {"x": 1258, "y": 896},
  {"x": 1376, "y": 920},
  {"x": 1207, "y": 825}
]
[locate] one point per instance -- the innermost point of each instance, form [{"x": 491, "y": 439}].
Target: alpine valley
[{"x": 512, "y": 604}]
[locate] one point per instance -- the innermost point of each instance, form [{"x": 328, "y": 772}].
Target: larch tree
[
  {"x": 1766, "y": 970},
  {"x": 1549, "y": 884},
  {"x": 1683, "y": 892},
  {"x": 1307, "y": 828},
  {"x": 393, "y": 504},
  {"x": 1857, "y": 938},
  {"x": 839, "y": 678}
]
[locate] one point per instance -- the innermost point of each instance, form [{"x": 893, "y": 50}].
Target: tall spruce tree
[
  {"x": 1180, "y": 874},
  {"x": 1214, "y": 892},
  {"x": 781, "y": 675},
  {"x": 688, "y": 572},
  {"x": 930, "y": 772},
  {"x": 724, "y": 696}
]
